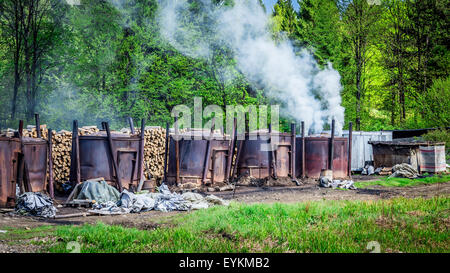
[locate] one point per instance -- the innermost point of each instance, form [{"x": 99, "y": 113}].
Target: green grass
[
  {"x": 406, "y": 225},
  {"x": 404, "y": 182},
  {"x": 15, "y": 233},
  {"x": 15, "y": 236}
]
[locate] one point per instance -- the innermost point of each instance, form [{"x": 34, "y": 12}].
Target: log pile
[
  {"x": 31, "y": 131},
  {"x": 62, "y": 147},
  {"x": 154, "y": 152}
]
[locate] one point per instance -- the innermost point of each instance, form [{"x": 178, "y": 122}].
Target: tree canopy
[{"x": 106, "y": 60}]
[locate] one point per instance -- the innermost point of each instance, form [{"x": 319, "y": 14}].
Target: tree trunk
[{"x": 17, "y": 51}]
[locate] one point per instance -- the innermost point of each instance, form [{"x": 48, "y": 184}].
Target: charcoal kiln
[
  {"x": 197, "y": 157},
  {"x": 116, "y": 157},
  {"x": 9, "y": 162},
  {"x": 258, "y": 156},
  {"x": 315, "y": 154},
  {"x": 23, "y": 162}
]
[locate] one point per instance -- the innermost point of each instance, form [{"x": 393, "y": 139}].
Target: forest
[{"x": 96, "y": 60}]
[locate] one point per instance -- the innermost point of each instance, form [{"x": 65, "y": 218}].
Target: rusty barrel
[
  {"x": 96, "y": 161},
  {"x": 193, "y": 157},
  {"x": 9, "y": 157},
  {"x": 316, "y": 156},
  {"x": 255, "y": 157},
  {"x": 35, "y": 151}
]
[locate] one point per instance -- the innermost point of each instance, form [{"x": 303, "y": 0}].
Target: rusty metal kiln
[
  {"x": 315, "y": 154},
  {"x": 118, "y": 158},
  {"x": 23, "y": 162}
]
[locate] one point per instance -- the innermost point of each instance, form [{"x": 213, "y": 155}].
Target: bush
[{"x": 440, "y": 135}]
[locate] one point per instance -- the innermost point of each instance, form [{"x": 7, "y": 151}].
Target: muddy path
[
  {"x": 312, "y": 192},
  {"x": 292, "y": 194}
]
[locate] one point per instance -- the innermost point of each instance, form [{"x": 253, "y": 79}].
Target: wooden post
[
  {"x": 350, "y": 136},
  {"x": 272, "y": 152},
  {"x": 238, "y": 155},
  {"x": 208, "y": 153},
  {"x": 20, "y": 128},
  {"x": 141, "y": 153},
  {"x": 228, "y": 173},
  {"x": 177, "y": 151},
  {"x": 111, "y": 150},
  {"x": 21, "y": 165},
  {"x": 38, "y": 125},
  {"x": 166, "y": 152},
  {"x": 76, "y": 149},
  {"x": 130, "y": 121},
  {"x": 50, "y": 165}
]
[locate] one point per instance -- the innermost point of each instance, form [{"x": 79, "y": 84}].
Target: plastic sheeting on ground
[
  {"x": 404, "y": 170},
  {"x": 164, "y": 200},
  {"x": 99, "y": 191},
  {"x": 35, "y": 204},
  {"x": 342, "y": 184}
]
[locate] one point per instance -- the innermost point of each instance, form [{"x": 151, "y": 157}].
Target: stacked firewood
[
  {"x": 31, "y": 131},
  {"x": 62, "y": 147},
  {"x": 154, "y": 152}
]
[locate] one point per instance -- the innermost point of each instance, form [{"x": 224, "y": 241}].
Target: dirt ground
[
  {"x": 307, "y": 191},
  {"x": 312, "y": 192}
]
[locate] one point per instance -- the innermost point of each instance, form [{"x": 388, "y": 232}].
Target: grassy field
[
  {"x": 404, "y": 182},
  {"x": 397, "y": 225}
]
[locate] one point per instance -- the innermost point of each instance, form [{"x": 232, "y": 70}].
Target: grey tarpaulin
[
  {"x": 35, "y": 204},
  {"x": 165, "y": 200},
  {"x": 404, "y": 170},
  {"x": 342, "y": 184},
  {"x": 99, "y": 191}
]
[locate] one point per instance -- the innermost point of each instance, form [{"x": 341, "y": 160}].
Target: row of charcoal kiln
[
  {"x": 189, "y": 157},
  {"x": 207, "y": 158}
]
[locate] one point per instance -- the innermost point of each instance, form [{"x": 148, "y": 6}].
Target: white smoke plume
[{"x": 309, "y": 93}]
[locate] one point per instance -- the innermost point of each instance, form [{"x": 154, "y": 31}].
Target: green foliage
[
  {"x": 319, "y": 29},
  {"x": 404, "y": 182},
  {"x": 440, "y": 135},
  {"x": 105, "y": 62},
  {"x": 406, "y": 225},
  {"x": 434, "y": 104}
]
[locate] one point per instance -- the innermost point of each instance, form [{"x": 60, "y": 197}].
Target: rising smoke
[{"x": 308, "y": 93}]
